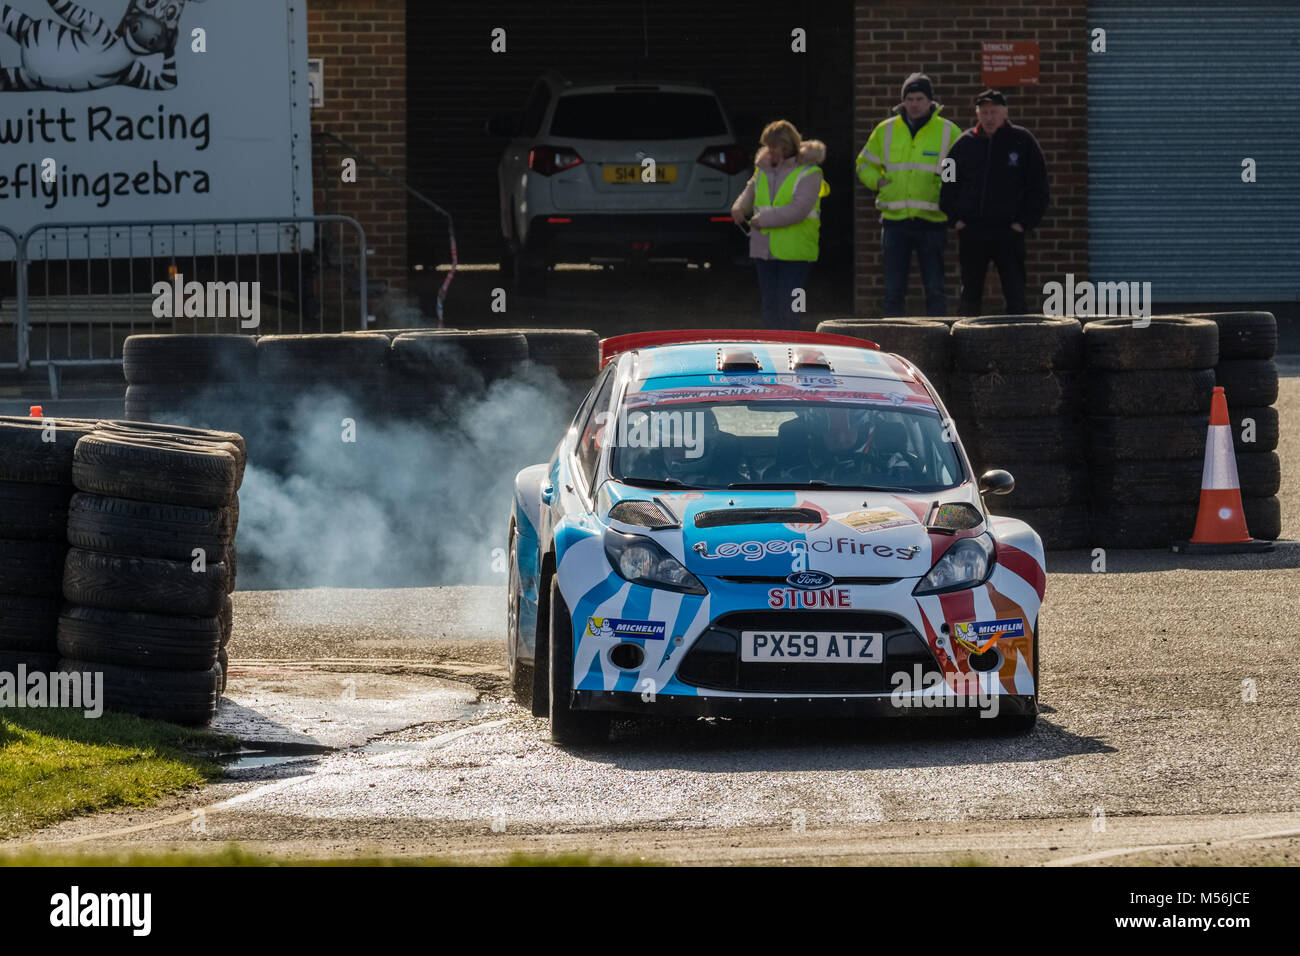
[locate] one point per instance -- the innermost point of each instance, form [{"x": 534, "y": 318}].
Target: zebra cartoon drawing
[{"x": 83, "y": 53}]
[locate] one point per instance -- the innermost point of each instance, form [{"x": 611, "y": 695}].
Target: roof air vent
[{"x": 738, "y": 360}]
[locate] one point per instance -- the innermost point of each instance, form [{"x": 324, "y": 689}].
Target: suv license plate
[{"x": 632, "y": 174}]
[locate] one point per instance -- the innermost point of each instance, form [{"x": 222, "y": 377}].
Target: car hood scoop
[{"x": 733, "y": 516}]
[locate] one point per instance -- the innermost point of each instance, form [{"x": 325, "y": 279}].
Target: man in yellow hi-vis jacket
[{"x": 902, "y": 163}]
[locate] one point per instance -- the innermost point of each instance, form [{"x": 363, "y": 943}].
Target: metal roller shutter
[{"x": 1183, "y": 94}]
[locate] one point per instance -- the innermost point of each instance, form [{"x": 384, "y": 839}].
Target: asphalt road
[{"x": 1147, "y": 750}]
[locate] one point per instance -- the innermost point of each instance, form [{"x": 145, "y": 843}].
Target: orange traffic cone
[{"x": 1221, "y": 520}]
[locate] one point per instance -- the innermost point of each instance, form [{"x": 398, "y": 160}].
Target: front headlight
[
  {"x": 642, "y": 561},
  {"x": 968, "y": 563}
]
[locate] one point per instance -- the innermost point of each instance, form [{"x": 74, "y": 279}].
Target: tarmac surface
[{"x": 1170, "y": 734}]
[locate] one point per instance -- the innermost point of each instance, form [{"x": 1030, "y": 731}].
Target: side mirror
[
  {"x": 997, "y": 482},
  {"x": 502, "y": 124}
]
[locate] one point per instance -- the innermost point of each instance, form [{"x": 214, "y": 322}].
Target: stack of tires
[
  {"x": 1015, "y": 395},
  {"x": 926, "y": 343},
  {"x": 35, "y": 488},
  {"x": 296, "y": 373},
  {"x": 1247, "y": 370},
  {"x": 1149, "y": 393},
  {"x": 148, "y": 578},
  {"x": 572, "y": 354},
  {"x": 202, "y": 379},
  {"x": 433, "y": 372}
]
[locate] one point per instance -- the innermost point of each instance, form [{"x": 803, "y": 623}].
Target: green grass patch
[
  {"x": 233, "y": 855},
  {"x": 57, "y": 764}
]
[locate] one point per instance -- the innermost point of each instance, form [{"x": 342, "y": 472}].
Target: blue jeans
[
  {"x": 897, "y": 240},
  {"x": 777, "y": 280}
]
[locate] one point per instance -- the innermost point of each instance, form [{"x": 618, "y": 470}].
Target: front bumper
[
  {"x": 679, "y": 705},
  {"x": 694, "y": 663}
]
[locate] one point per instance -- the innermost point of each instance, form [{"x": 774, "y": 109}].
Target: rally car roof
[{"x": 740, "y": 357}]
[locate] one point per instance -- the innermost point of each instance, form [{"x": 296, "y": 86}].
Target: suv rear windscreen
[{"x": 640, "y": 115}]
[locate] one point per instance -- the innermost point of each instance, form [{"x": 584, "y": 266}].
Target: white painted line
[{"x": 1125, "y": 851}]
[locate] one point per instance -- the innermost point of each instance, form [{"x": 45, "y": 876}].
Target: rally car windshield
[{"x": 783, "y": 444}]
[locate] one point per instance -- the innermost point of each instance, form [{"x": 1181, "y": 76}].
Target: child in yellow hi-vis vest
[{"x": 782, "y": 204}]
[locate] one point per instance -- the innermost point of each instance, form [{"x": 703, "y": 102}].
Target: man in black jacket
[{"x": 999, "y": 195}]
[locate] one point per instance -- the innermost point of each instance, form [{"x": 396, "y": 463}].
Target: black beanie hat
[
  {"x": 992, "y": 96},
  {"x": 917, "y": 83}
]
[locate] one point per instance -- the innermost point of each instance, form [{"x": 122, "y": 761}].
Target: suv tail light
[
  {"x": 729, "y": 159},
  {"x": 548, "y": 160}
]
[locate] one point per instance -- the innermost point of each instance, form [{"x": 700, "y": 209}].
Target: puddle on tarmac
[{"x": 252, "y": 758}]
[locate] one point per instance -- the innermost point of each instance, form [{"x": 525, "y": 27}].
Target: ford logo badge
[{"x": 809, "y": 580}]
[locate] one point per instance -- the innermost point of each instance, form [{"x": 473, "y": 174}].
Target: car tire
[
  {"x": 574, "y": 354},
  {"x": 1248, "y": 381},
  {"x": 1147, "y": 438},
  {"x": 1154, "y": 392},
  {"x": 33, "y": 512},
  {"x": 147, "y": 529},
  {"x": 31, "y": 568},
  {"x": 1265, "y": 428},
  {"x": 136, "y": 639},
  {"x": 1170, "y": 341},
  {"x": 1045, "y": 439},
  {"x": 26, "y": 456},
  {"x": 1244, "y": 335},
  {"x": 521, "y": 675},
  {"x": 994, "y": 395},
  {"x": 1043, "y": 485},
  {"x": 187, "y": 359},
  {"x": 181, "y": 697},
  {"x": 569, "y": 727},
  {"x": 1263, "y": 517},
  {"x": 223, "y": 661},
  {"x": 205, "y": 436},
  {"x": 355, "y": 362},
  {"x": 34, "y": 661},
  {"x": 28, "y": 624},
  {"x": 118, "y": 465},
  {"x": 116, "y": 582},
  {"x": 1017, "y": 343}
]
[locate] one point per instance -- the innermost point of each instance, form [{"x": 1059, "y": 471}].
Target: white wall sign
[{"x": 147, "y": 110}]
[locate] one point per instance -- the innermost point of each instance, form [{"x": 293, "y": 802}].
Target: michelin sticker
[
  {"x": 624, "y": 629},
  {"x": 973, "y": 635},
  {"x": 874, "y": 519}
]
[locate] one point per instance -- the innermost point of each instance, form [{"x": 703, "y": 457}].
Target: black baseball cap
[{"x": 991, "y": 96}]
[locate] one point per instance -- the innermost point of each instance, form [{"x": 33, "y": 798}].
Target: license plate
[
  {"x": 814, "y": 647},
  {"x": 632, "y": 174}
]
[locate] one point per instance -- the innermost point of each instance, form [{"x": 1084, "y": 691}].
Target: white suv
[{"x": 617, "y": 171}]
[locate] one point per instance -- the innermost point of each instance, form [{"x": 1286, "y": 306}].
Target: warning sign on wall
[{"x": 1009, "y": 62}]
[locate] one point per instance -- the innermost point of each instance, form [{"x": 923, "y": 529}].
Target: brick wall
[
  {"x": 942, "y": 39},
  {"x": 363, "y": 43}
]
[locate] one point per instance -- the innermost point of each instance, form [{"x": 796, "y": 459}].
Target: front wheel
[
  {"x": 521, "y": 674},
  {"x": 568, "y": 726}
]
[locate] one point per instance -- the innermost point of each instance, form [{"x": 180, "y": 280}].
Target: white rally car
[{"x": 744, "y": 523}]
